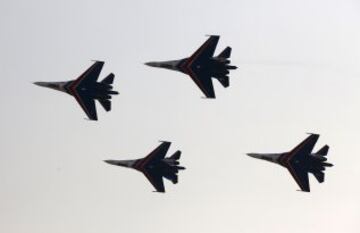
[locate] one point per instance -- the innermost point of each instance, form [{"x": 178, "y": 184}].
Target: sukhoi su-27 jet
[
  {"x": 155, "y": 166},
  {"x": 86, "y": 89},
  {"x": 300, "y": 161},
  {"x": 202, "y": 66}
]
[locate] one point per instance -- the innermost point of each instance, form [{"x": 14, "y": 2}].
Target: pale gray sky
[{"x": 298, "y": 72}]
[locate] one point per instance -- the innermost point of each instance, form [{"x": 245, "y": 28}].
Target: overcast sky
[{"x": 299, "y": 71}]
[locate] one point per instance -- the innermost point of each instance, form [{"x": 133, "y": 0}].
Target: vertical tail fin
[
  {"x": 108, "y": 79},
  {"x": 176, "y": 155},
  {"x": 226, "y": 53},
  {"x": 323, "y": 151}
]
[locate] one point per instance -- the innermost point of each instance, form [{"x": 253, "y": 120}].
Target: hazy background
[{"x": 298, "y": 72}]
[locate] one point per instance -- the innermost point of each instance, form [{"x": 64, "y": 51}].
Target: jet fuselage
[
  {"x": 96, "y": 90},
  {"x": 312, "y": 163},
  {"x": 300, "y": 161},
  {"x": 167, "y": 167},
  {"x": 216, "y": 67},
  {"x": 86, "y": 89},
  {"x": 202, "y": 66}
]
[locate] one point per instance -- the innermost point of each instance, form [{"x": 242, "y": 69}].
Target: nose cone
[
  {"x": 171, "y": 65},
  {"x": 152, "y": 64},
  {"x": 267, "y": 157},
  {"x": 41, "y": 84},
  {"x": 254, "y": 155},
  {"x": 118, "y": 163},
  {"x": 112, "y": 162},
  {"x": 59, "y": 86}
]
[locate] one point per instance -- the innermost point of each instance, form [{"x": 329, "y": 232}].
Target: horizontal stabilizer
[
  {"x": 320, "y": 176},
  {"x": 109, "y": 79},
  {"x": 176, "y": 155},
  {"x": 323, "y": 151},
  {"x": 226, "y": 53},
  {"x": 173, "y": 177},
  {"x": 224, "y": 81},
  {"x": 106, "y": 104}
]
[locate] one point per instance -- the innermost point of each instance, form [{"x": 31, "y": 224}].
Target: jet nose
[
  {"x": 41, "y": 84},
  {"x": 252, "y": 155},
  {"x": 255, "y": 155},
  {"x": 152, "y": 64},
  {"x": 112, "y": 162},
  {"x": 121, "y": 163}
]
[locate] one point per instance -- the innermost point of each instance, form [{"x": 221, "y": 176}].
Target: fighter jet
[
  {"x": 155, "y": 166},
  {"x": 86, "y": 89},
  {"x": 202, "y": 66},
  {"x": 300, "y": 161}
]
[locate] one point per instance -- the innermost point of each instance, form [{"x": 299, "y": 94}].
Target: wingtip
[
  {"x": 164, "y": 141},
  {"x": 158, "y": 191},
  {"x": 98, "y": 61},
  {"x": 208, "y": 98},
  {"x": 303, "y": 191},
  {"x": 209, "y": 35},
  {"x": 312, "y": 133},
  {"x": 89, "y": 119}
]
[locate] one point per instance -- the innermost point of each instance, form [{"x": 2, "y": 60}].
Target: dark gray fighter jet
[
  {"x": 86, "y": 89},
  {"x": 300, "y": 161},
  {"x": 155, "y": 166},
  {"x": 202, "y": 66}
]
